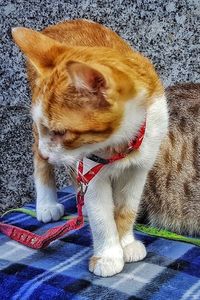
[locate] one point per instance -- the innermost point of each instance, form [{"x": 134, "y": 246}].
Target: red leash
[{"x": 36, "y": 241}]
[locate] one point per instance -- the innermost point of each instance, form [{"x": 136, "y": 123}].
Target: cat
[
  {"x": 171, "y": 197},
  {"x": 91, "y": 93}
]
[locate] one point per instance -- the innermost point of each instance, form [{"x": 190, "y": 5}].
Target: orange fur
[
  {"x": 93, "y": 261},
  {"x": 124, "y": 219},
  {"x": 57, "y": 56},
  {"x": 43, "y": 169}
]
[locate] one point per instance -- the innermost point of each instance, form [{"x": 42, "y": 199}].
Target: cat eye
[
  {"x": 58, "y": 133},
  {"x": 44, "y": 129}
]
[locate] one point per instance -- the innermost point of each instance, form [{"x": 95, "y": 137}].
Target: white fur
[
  {"x": 37, "y": 113},
  {"x": 126, "y": 179},
  {"x": 89, "y": 21},
  {"x": 46, "y": 205},
  {"x": 134, "y": 251},
  {"x": 108, "y": 265},
  {"x": 38, "y": 116},
  {"x": 119, "y": 184},
  {"x": 105, "y": 236}
]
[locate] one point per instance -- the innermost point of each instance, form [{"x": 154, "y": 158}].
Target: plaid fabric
[{"x": 171, "y": 269}]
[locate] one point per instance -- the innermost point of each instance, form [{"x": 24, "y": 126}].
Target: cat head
[{"x": 84, "y": 98}]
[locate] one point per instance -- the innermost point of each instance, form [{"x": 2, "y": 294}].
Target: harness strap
[{"x": 132, "y": 145}]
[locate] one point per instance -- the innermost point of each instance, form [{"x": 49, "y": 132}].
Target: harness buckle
[{"x": 82, "y": 188}]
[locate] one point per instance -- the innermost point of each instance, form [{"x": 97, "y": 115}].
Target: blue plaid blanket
[{"x": 171, "y": 269}]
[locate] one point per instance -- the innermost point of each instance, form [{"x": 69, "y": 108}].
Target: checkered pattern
[{"x": 171, "y": 269}]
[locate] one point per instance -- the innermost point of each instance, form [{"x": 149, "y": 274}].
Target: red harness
[{"x": 36, "y": 241}]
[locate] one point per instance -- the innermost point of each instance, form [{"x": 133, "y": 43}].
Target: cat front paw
[
  {"x": 106, "y": 266},
  {"x": 50, "y": 213},
  {"x": 134, "y": 251}
]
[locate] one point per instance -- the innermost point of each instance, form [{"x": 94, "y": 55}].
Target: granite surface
[{"x": 165, "y": 31}]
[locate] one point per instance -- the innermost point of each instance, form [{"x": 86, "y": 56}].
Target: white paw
[
  {"x": 134, "y": 251},
  {"x": 106, "y": 266},
  {"x": 50, "y": 213}
]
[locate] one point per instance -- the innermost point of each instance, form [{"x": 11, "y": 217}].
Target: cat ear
[
  {"x": 41, "y": 50},
  {"x": 85, "y": 77}
]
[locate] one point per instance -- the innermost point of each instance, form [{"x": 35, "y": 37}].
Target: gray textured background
[{"x": 166, "y": 31}]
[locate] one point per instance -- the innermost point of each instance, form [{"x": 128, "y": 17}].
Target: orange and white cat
[{"x": 91, "y": 93}]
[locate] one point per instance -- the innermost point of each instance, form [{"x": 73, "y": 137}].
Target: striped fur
[{"x": 171, "y": 198}]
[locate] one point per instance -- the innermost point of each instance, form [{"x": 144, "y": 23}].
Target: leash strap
[
  {"x": 153, "y": 231},
  {"x": 36, "y": 241}
]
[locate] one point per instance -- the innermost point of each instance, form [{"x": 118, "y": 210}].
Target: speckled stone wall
[{"x": 165, "y": 31}]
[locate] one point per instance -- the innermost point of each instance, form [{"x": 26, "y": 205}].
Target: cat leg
[
  {"x": 47, "y": 207},
  {"x": 127, "y": 193},
  {"x": 108, "y": 254}
]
